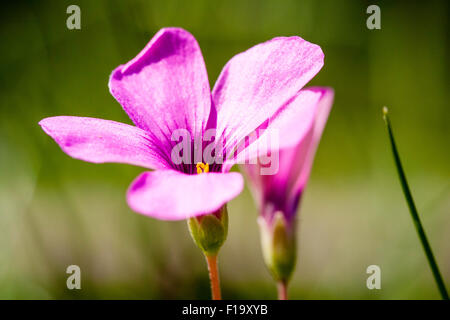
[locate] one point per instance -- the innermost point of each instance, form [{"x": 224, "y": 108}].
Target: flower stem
[
  {"x": 214, "y": 276},
  {"x": 282, "y": 290},
  {"x": 412, "y": 208}
]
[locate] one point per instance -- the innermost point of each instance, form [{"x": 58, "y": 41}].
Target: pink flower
[
  {"x": 300, "y": 125},
  {"x": 165, "y": 88}
]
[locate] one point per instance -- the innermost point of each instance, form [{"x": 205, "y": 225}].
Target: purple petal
[
  {"x": 295, "y": 160},
  {"x": 308, "y": 151},
  {"x": 286, "y": 127},
  {"x": 170, "y": 195},
  {"x": 98, "y": 141},
  {"x": 165, "y": 87},
  {"x": 256, "y": 83}
]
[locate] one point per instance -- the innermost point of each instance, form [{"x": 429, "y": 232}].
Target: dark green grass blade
[{"x": 413, "y": 210}]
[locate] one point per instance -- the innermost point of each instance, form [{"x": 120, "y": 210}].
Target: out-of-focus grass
[{"x": 56, "y": 211}]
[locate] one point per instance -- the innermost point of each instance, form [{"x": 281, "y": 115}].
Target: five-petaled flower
[{"x": 166, "y": 88}]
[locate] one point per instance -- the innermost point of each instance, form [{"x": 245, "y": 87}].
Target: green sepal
[
  {"x": 210, "y": 231},
  {"x": 279, "y": 246}
]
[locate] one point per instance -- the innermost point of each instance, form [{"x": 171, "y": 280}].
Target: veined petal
[
  {"x": 295, "y": 160},
  {"x": 165, "y": 87},
  {"x": 285, "y": 128},
  {"x": 256, "y": 83},
  {"x": 98, "y": 141},
  {"x": 170, "y": 195},
  {"x": 302, "y": 171}
]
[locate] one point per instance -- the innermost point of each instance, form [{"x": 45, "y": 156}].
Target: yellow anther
[{"x": 202, "y": 167}]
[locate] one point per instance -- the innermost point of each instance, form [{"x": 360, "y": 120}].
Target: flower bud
[
  {"x": 210, "y": 231},
  {"x": 278, "y": 245}
]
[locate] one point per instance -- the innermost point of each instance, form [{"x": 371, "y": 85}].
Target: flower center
[{"x": 202, "y": 167}]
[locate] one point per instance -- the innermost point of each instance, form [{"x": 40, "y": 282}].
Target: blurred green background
[{"x": 56, "y": 211}]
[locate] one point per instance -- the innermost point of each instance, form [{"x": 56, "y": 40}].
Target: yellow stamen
[{"x": 202, "y": 167}]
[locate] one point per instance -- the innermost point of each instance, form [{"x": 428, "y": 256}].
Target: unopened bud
[
  {"x": 278, "y": 245},
  {"x": 210, "y": 231}
]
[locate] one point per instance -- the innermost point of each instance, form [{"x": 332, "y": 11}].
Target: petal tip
[{"x": 46, "y": 124}]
